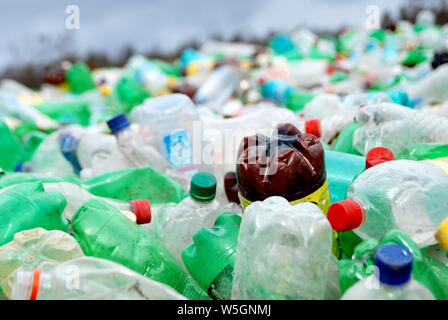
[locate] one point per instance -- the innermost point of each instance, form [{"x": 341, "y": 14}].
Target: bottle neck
[{"x": 29, "y": 283}]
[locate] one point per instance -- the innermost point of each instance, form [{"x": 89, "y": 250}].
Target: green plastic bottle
[
  {"x": 79, "y": 77},
  {"x": 431, "y": 273},
  {"x": 11, "y": 151},
  {"x": 136, "y": 183},
  {"x": 103, "y": 232},
  {"x": 210, "y": 260},
  {"x": 128, "y": 94},
  {"x": 27, "y": 206},
  {"x": 66, "y": 112},
  {"x": 424, "y": 151},
  {"x": 125, "y": 185},
  {"x": 344, "y": 142}
]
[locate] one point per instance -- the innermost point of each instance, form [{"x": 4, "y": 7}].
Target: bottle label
[
  {"x": 442, "y": 163},
  {"x": 178, "y": 148},
  {"x": 321, "y": 197}
]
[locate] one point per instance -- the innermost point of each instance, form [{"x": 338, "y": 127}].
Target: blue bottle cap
[
  {"x": 117, "y": 123},
  {"x": 19, "y": 167},
  {"x": 394, "y": 264}
]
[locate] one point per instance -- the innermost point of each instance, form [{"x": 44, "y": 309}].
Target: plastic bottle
[
  {"x": 198, "y": 210},
  {"x": 138, "y": 211},
  {"x": 91, "y": 153},
  {"x": 430, "y": 89},
  {"x": 426, "y": 270},
  {"x": 211, "y": 258},
  {"x": 35, "y": 248},
  {"x": 11, "y": 151},
  {"x": 396, "y": 127},
  {"x": 222, "y": 135},
  {"x": 80, "y": 78},
  {"x": 137, "y": 153},
  {"x": 218, "y": 87},
  {"x": 296, "y": 158},
  {"x": 89, "y": 278},
  {"x": 394, "y": 263},
  {"x": 47, "y": 159},
  {"x": 283, "y": 251},
  {"x": 168, "y": 124},
  {"x": 103, "y": 232},
  {"x": 424, "y": 151},
  {"x": 402, "y": 194},
  {"x": 27, "y": 206},
  {"x": 342, "y": 168}
]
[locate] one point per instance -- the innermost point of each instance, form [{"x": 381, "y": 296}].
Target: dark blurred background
[{"x": 34, "y": 35}]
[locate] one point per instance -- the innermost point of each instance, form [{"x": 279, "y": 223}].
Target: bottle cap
[
  {"x": 117, "y": 123},
  {"x": 203, "y": 187},
  {"x": 345, "y": 215},
  {"x": 442, "y": 234},
  {"x": 19, "y": 167},
  {"x": 142, "y": 211},
  {"x": 313, "y": 127},
  {"x": 378, "y": 155},
  {"x": 394, "y": 264}
]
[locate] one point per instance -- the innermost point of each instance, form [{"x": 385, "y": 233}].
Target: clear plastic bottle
[
  {"x": 401, "y": 194},
  {"x": 198, "y": 210},
  {"x": 283, "y": 251},
  {"x": 138, "y": 211},
  {"x": 139, "y": 154},
  {"x": 48, "y": 159},
  {"x": 35, "y": 248},
  {"x": 91, "y": 154},
  {"x": 396, "y": 127},
  {"x": 89, "y": 278},
  {"x": 391, "y": 279},
  {"x": 218, "y": 87},
  {"x": 430, "y": 89},
  {"x": 171, "y": 124}
]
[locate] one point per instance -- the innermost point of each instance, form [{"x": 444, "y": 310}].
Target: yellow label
[
  {"x": 321, "y": 197},
  {"x": 442, "y": 163}
]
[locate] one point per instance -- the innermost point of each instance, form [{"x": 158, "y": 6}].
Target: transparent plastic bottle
[
  {"x": 198, "y": 210},
  {"x": 35, "y": 248},
  {"x": 139, "y": 154},
  {"x": 91, "y": 154},
  {"x": 401, "y": 194},
  {"x": 89, "y": 278},
  {"x": 48, "y": 159},
  {"x": 283, "y": 251},
  {"x": 218, "y": 87},
  {"x": 396, "y": 127},
  {"x": 138, "y": 211},
  {"x": 391, "y": 279},
  {"x": 171, "y": 124}
]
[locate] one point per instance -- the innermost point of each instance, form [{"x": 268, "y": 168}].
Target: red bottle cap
[
  {"x": 313, "y": 127},
  {"x": 378, "y": 155},
  {"x": 345, "y": 215},
  {"x": 142, "y": 211}
]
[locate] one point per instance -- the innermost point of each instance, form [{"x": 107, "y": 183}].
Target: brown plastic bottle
[{"x": 287, "y": 164}]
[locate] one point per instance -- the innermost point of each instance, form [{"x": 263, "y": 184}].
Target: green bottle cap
[
  {"x": 213, "y": 249},
  {"x": 203, "y": 187}
]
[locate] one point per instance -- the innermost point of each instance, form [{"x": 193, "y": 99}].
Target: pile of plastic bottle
[{"x": 313, "y": 168}]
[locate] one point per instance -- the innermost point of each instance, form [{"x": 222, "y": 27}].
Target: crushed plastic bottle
[{"x": 296, "y": 241}]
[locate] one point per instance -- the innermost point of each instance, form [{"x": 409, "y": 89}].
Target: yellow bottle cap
[{"x": 442, "y": 234}]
